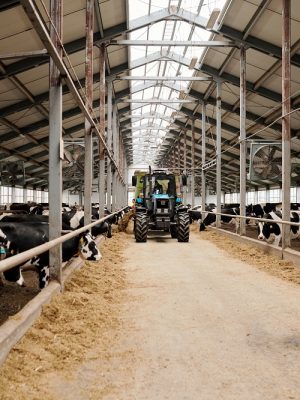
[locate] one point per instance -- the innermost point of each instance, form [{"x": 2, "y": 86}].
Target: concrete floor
[
  {"x": 197, "y": 325},
  {"x": 206, "y": 326}
]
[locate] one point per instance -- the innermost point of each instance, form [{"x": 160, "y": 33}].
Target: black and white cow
[
  {"x": 75, "y": 219},
  {"x": 18, "y": 237},
  {"x": 271, "y": 231},
  {"x": 70, "y": 220},
  {"x": 210, "y": 219},
  {"x": 258, "y": 210}
]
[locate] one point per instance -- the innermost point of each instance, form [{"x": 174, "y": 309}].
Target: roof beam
[
  {"x": 117, "y": 30},
  {"x": 163, "y": 78},
  {"x": 171, "y": 14},
  {"x": 43, "y": 97},
  {"x": 173, "y": 43},
  {"x": 7, "y": 4},
  {"x": 208, "y": 70},
  {"x": 155, "y": 101},
  {"x": 256, "y": 43}
]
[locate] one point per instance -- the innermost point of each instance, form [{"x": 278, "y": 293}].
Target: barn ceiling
[{"x": 154, "y": 115}]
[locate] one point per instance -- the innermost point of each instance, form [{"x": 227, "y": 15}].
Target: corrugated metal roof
[{"x": 256, "y": 24}]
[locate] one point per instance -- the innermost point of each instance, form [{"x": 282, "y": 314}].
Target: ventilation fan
[
  {"x": 265, "y": 160},
  {"x": 73, "y": 163},
  {"x": 12, "y": 173}
]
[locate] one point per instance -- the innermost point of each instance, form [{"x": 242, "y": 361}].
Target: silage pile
[
  {"x": 85, "y": 317},
  {"x": 123, "y": 223},
  {"x": 283, "y": 269}
]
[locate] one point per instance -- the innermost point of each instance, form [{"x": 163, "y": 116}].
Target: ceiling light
[
  {"x": 181, "y": 94},
  {"x": 213, "y": 18},
  {"x": 193, "y": 62}
]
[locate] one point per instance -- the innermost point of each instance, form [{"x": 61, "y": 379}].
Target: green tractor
[{"x": 158, "y": 204}]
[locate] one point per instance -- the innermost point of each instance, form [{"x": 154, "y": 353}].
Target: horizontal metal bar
[
  {"x": 156, "y": 101},
  {"x": 198, "y": 43},
  {"x": 208, "y": 165},
  {"x": 162, "y": 78},
  {"x": 28, "y": 254},
  {"x": 254, "y": 218},
  {"x": 34, "y": 53}
]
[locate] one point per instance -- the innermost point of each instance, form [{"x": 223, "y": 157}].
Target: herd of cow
[
  {"x": 29, "y": 227},
  {"x": 24, "y": 226},
  {"x": 271, "y": 231}
]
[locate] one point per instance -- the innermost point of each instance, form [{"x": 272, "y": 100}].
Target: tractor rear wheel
[
  {"x": 141, "y": 228},
  {"x": 183, "y": 227}
]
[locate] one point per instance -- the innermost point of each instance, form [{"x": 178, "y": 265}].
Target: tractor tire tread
[
  {"x": 141, "y": 228},
  {"x": 183, "y": 227}
]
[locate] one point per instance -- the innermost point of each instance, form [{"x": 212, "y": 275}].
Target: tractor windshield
[{"x": 163, "y": 184}]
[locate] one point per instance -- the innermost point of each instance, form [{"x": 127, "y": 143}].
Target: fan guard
[
  {"x": 73, "y": 163},
  {"x": 265, "y": 161},
  {"x": 12, "y": 173}
]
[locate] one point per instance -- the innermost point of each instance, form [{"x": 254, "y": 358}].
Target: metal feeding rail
[
  {"x": 283, "y": 247},
  {"x": 20, "y": 258},
  {"x": 254, "y": 218}
]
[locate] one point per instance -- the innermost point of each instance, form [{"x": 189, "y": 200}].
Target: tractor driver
[{"x": 157, "y": 189}]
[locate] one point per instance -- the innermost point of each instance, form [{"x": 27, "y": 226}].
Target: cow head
[
  {"x": 201, "y": 226},
  {"x": 7, "y": 249},
  {"x": 88, "y": 248},
  {"x": 268, "y": 230}
]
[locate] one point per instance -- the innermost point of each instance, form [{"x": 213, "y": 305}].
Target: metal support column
[
  {"x": 108, "y": 143},
  {"x": 13, "y": 194},
  {"x": 43, "y": 196},
  {"x": 88, "y": 136},
  {"x": 243, "y": 145},
  {"x": 80, "y": 197},
  {"x": 34, "y": 195},
  {"x": 24, "y": 194},
  {"x": 184, "y": 168},
  {"x": 174, "y": 158},
  {"x": 286, "y": 120},
  {"x": 193, "y": 166},
  {"x": 55, "y": 143},
  {"x": 179, "y": 154},
  {"x": 114, "y": 143},
  {"x": 117, "y": 158},
  {"x": 218, "y": 155},
  {"x": 101, "y": 177},
  {"x": 203, "y": 156}
]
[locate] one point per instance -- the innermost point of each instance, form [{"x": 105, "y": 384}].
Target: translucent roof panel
[{"x": 161, "y": 61}]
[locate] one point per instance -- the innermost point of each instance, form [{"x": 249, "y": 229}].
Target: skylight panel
[{"x": 163, "y": 67}]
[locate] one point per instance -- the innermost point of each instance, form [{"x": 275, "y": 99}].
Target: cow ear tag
[
  {"x": 81, "y": 242},
  {"x": 2, "y": 252}
]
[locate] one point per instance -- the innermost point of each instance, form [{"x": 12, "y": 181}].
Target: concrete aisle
[{"x": 206, "y": 326}]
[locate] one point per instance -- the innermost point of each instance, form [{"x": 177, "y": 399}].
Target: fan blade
[
  {"x": 266, "y": 171},
  {"x": 68, "y": 156},
  {"x": 259, "y": 164},
  {"x": 262, "y": 153},
  {"x": 276, "y": 171},
  {"x": 277, "y": 160},
  {"x": 77, "y": 153},
  {"x": 272, "y": 151}
]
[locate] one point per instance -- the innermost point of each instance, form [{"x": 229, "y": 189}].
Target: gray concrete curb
[{"x": 16, "y": 327}]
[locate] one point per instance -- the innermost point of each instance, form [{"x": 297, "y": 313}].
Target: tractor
[{"x": 158, "y": 204}]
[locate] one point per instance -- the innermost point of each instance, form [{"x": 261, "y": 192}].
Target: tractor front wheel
[
  {"x": 141, "y": 228},
  {"x": 183, "y": 227}
]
